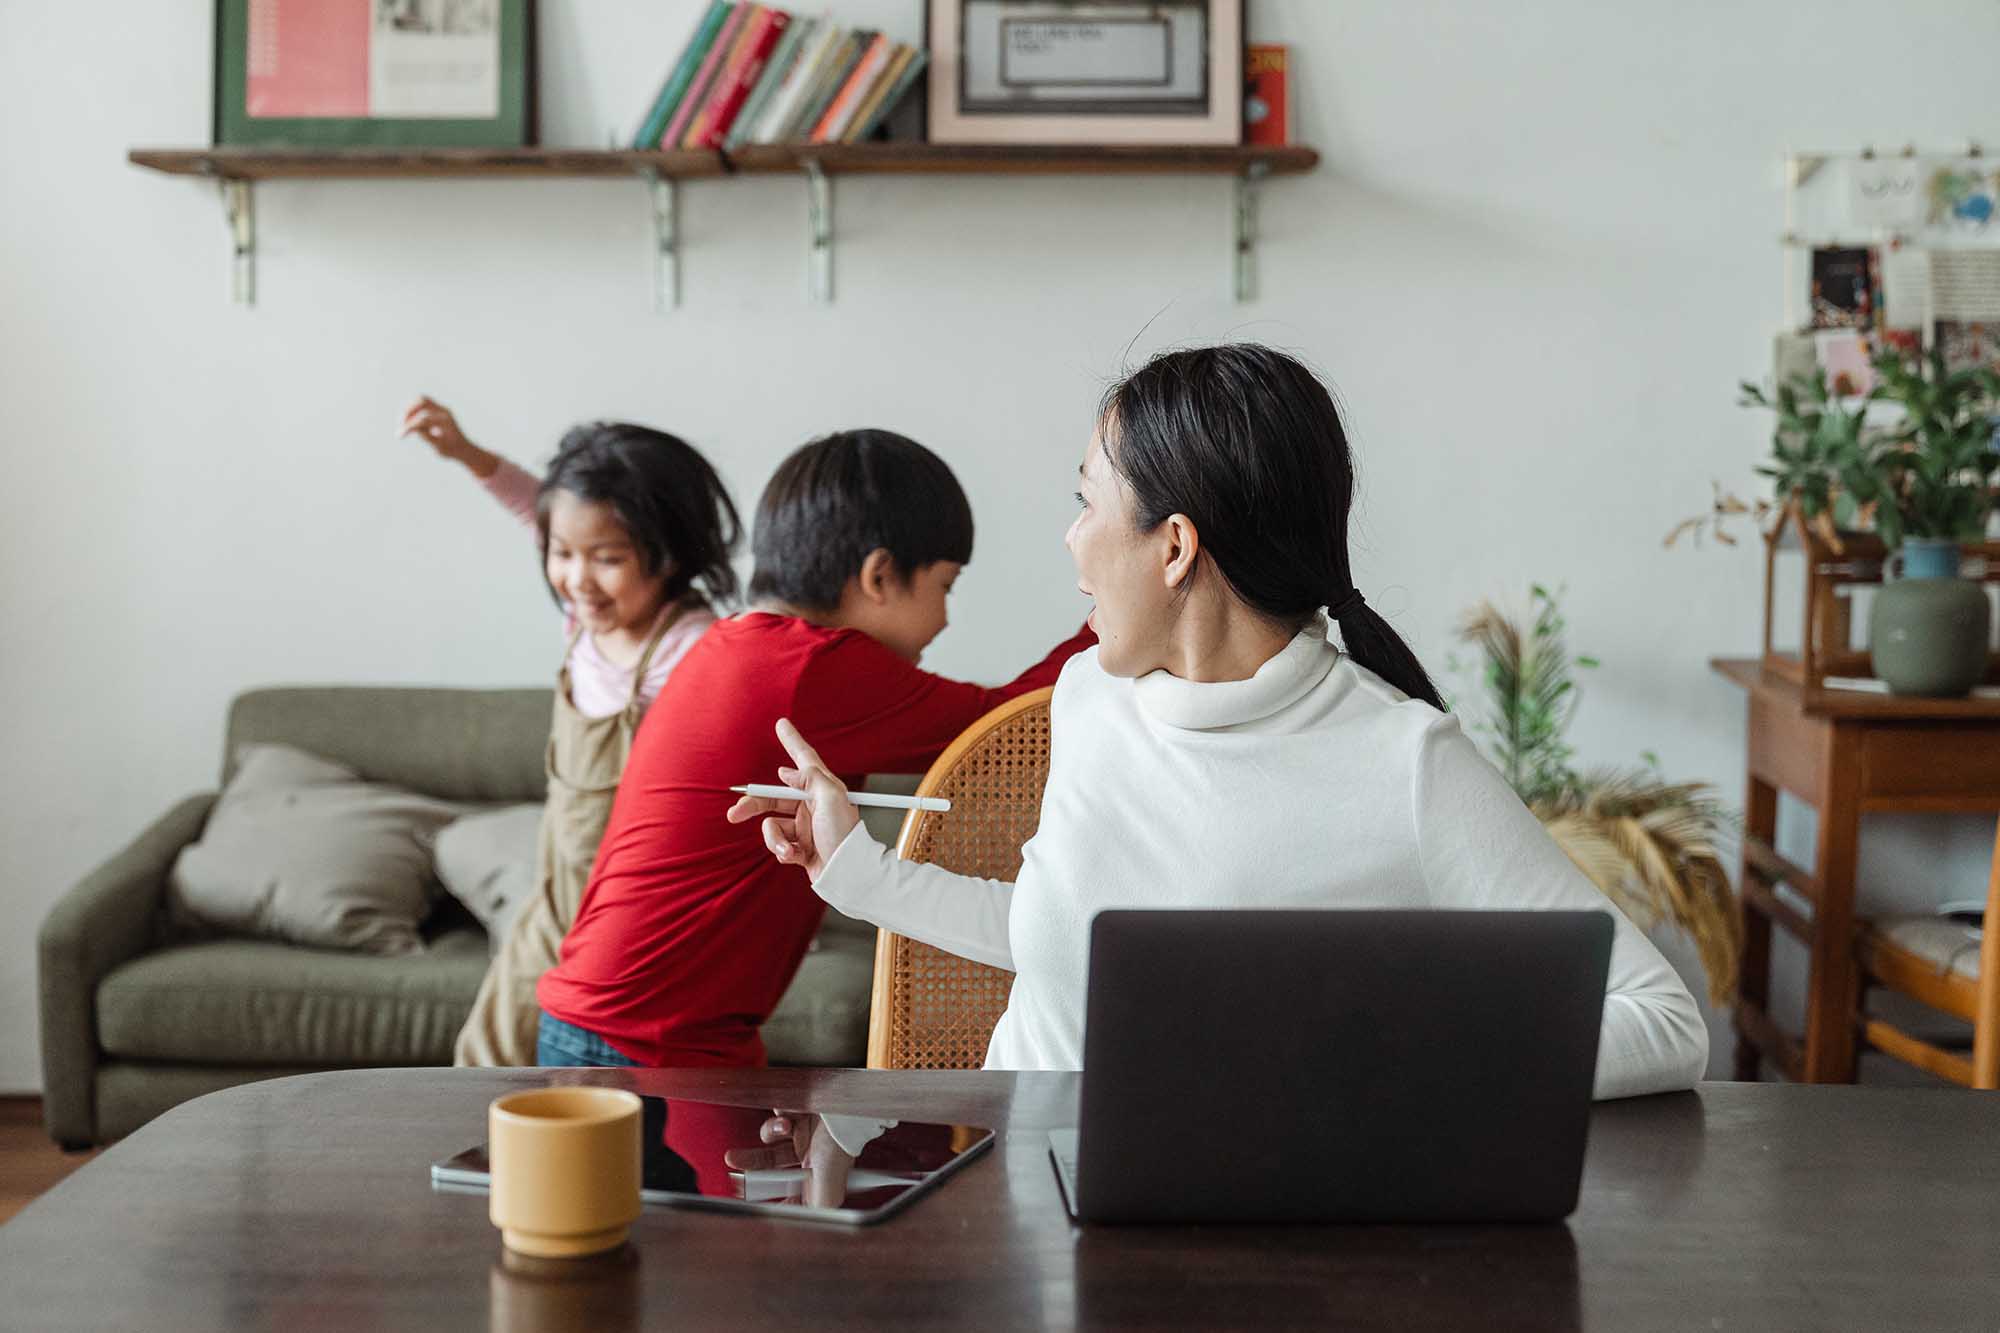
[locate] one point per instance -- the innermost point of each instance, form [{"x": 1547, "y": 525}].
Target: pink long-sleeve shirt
[{"x": 599, "y": 687}]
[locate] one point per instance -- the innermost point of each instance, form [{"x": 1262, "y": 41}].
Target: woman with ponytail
[{"x": 1213, "y": 541}]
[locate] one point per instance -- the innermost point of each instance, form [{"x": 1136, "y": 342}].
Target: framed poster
[
  {"x": 1086, "y": 71},
  {"x": 387, "y": 73}
]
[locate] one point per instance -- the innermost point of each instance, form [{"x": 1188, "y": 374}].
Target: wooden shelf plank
[
  {"x": 1031, "y": 160},
  {"x": 834, "y": 159},
  {"x": 379, "y": 163}
]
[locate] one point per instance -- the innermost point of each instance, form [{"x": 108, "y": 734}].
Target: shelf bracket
[
  {"x": 1246, "y": 229},
  {"x": 819, "y": 222},
  {"x": 665, "y": 192},
  {"x": 242, "y": 219}
]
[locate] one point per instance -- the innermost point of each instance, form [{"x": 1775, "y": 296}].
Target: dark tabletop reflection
[
  {"x": 599, "y": 1294},
  {"x": 1347, "y": 1277},
  {"x": 1650, "y": 1144}
]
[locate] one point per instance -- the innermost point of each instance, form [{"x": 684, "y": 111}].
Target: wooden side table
[{"x": 1846, "y": 753}]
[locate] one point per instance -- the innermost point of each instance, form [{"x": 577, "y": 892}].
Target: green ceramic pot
[{"x": 1929, "y": 629}]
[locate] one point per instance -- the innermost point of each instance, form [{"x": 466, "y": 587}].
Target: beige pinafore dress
[{"x": 586, "y": 757}]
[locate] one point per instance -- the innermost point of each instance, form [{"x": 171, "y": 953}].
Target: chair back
[
  {"x": 931, "y": 1009},
  {"x": 1921, "y": 957},
  {"x": 1986, "y": 1013}
]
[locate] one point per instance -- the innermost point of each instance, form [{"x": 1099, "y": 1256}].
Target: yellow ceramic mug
[{"x": 565, "y": 1167}]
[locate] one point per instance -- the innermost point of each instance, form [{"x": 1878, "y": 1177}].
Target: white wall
[{"x": 1539, "y": 253}]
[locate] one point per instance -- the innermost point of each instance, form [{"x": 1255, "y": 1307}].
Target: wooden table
[
  {"x": 303, "y": 1204},
  {"x": 1846, "y": 753}
]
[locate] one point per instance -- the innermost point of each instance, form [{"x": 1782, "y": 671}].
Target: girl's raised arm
[{"x": 433, "y": 423}]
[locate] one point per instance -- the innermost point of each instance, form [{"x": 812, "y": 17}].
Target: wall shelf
[{"x": 237, "y": 170}]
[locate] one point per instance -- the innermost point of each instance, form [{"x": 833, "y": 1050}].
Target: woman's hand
[
  {"x": 803, "y": 832},
  {"x": 799, "y": 1139},
  {"x": 433, "y": 423}
]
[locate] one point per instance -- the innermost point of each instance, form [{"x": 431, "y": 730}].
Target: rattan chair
[
  {"x": 931, "y": 1009},
  {"x": 1946, "y": 967}
]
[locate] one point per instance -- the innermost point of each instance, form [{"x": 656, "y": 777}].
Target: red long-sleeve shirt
[{"x": 689, "y": 931}]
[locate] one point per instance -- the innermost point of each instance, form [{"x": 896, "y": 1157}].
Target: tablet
[{"x": 851, "y": 1169}]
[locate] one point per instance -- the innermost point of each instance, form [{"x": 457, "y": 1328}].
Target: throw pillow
[
  {"x": 487, "y": 861},
  {"x": 300, "y": 849}
]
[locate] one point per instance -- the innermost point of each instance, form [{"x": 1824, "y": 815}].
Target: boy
[{"x": 689, "y": 932}]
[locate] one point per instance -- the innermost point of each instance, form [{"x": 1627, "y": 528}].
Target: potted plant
[
  {"x": 1651, "y": 846},
  {"x": 1923, "y": 482},
  {"x": 1929, "y": 485}
]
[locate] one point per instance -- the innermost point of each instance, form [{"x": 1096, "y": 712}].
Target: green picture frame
[{"x": 513, "y": 127}]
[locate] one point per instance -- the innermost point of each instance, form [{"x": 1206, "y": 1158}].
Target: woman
[{"x": 1213, "y": 540}]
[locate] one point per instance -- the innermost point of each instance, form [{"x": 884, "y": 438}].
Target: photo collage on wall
[{"x": 1929, "y": 278}]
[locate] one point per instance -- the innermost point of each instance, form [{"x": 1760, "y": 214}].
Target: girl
[
  {"x": 636, "y": 532},
  {"x": 1213, "y": 540}
]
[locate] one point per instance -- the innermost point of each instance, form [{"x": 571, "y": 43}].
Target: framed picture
[
  {"x": 1077, "y": 72},
  {"x": 386, "y": 73}
]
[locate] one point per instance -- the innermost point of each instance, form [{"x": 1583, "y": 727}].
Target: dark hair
[
  {"x": 845, "y": 495},
  {"x": 1248, "y": 444},
  {"x": 667, "y": 497}
]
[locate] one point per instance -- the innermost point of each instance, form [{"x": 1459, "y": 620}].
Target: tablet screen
[{"x": 843, "y": 1167}]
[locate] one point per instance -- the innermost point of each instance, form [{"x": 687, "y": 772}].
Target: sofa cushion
[
  {"x": 298, "y": 848},
  {"x": 487, "y": 861},
  {"x": 253, "y": 1002}
]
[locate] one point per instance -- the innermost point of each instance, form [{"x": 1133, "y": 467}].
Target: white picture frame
[{"x": 951, "y": 123}]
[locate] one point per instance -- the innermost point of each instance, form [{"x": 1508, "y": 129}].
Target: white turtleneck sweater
[{"x": 1164, "y": 793}]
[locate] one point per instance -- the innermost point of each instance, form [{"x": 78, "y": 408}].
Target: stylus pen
[{"x": 937, "y": 803}]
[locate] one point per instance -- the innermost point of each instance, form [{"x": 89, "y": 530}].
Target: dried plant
[
  {"x": 1651, "y": 846},
  {"x": 1529, "y": 677}
]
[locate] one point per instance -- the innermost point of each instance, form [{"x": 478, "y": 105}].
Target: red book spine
[
  {"x": 733, "y": 91},
  {"x": 671, "y": 137},
  {"x": 1267, "y": 104}
]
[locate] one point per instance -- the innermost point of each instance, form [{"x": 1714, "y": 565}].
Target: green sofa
[{"x": 137, "y": 1017}]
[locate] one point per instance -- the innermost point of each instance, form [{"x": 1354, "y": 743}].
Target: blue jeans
[{"x": 565, "y": 1045}]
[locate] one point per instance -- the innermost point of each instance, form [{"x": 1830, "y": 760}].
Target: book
[
  {"x": 734, "y": 89},
  {"x": 839, "y": 64},
  {"x": 704, "y": 78},
  {"x": 864, "y": 113},
  {"x": 768, "y": 83},
  {"x": 899, "y": 59},
  {"x": 704, "y": 115},
  {"x": 840, "y": 111},
  {"x": 784, "y": 102},
  {"x": 791, "y": 87},
  {"x": 1267, "y": 95},
  {"x": 682, "y": 74},
  {"x": 893, "y": 95}
]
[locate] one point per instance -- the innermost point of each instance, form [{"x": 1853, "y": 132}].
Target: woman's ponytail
[
  {"x": 1368, "y": 639},
  {"x": 1248, "y": 444}
]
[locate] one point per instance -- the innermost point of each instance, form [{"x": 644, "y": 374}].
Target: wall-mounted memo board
[{"x": 1890, "y": 249}]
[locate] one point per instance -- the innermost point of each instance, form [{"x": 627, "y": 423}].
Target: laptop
[{"x": 1336, "y": 1066}]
